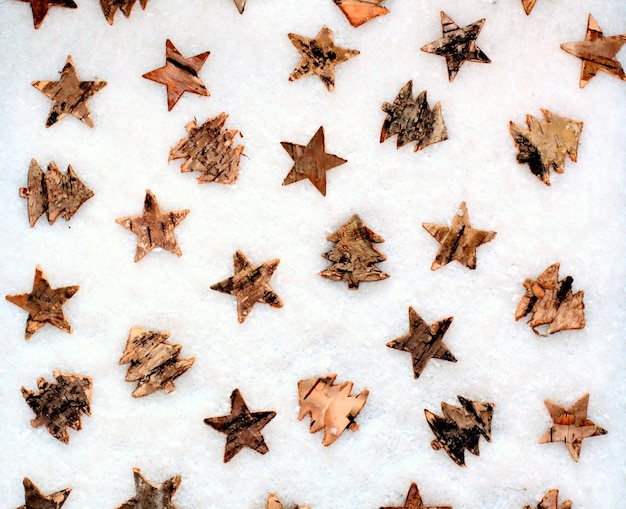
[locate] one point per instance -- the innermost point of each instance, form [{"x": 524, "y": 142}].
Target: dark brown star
[
  {"x": 35, "y": 499},
  {"x": 242, "y": 427},
  {"x": 311, "y": 161},
  {"x": 149, "y": 495},
  {"x": 40, "y": 8},
  {"x": 414, "y": 501},
  {"x": 179, "y": 74}
]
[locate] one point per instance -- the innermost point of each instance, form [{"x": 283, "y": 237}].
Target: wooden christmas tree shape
[
  {"x": 331, "y": 406},
  {"x": 59, "y": 405},
  {"x": 461, "y": 427},
  {"x": 209, "y": 150},
  {"x": 40, "y": 8},
  {"x": 414, "y": 501},
  {"x": 551, "y": 501},
  {"x": 274, "y": 503},
  {"x": 528, "y": 5},
  {"x": 551, "y": 302},
  {"x": 151, "y": 496},
  {"x": 361, "y": 11},
  {"x": 354, "y": 257},
  {"x": 154, "y": 363},
  {"x": 110, "y": 7},
  {"x": 35, "y": 499}
]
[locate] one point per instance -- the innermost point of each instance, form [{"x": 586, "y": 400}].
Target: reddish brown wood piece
[
  {"x": 551, "y": 501},
  {"x": 35, "y": 499},
  {"x": 528, "y": 5},
  {"x": 40, "y": 8},
  {"x": 110, "y": 7},
  {"x": 361, "y": 11},
  {"x": 414, "y": 501},
  {"x": 152, "y": 496}
]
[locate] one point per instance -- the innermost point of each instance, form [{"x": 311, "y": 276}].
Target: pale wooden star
[
  {"x": 35, "y": 499},
  {"x": 40, "y": 8},
  {"x": 149, "y": 495},
  {"x": 274, "y": 503},
  {"x": 414, "y": 501}
]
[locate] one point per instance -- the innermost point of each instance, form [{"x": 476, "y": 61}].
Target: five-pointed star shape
[
  {"x": 150, "y": 496},
  {"x": 311, "y": 161},
  {"x": 242, "y": 427},
  {"x": 457, "y": 44},
  {"x": 153, "y": 227},
  {"x": 250, "y": 285},
  {"x": 319, "y": 56},
  {"x": 35, "y": 499},
  {"x": 424, "y": 341},
  {"x": 571, "y": 425},
  {"x": 414, "y": 501},
  {"x": 40, "y": 8},
  {"x": 69, "y": 95},
  {"x": 597, "y": 53},
  {"x": 44, "y": 304},
  {"x": 179, "y": 74},
  {"x": 459, "y": 241}
]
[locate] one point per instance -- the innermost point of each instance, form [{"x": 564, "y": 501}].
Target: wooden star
[
  {"x": 424, "y": 341},
  {"x": 153, "y": 227},
  {"x": 179, "y": 74},
  {"x": 69, "y": 95},
  {"x": 311, "y": 161},
  {"x": 457, "y": 45},
  {"x": 242, "y": 427},
  {"x": 319, "y": 56},
  {"x": 597, "y": 52},
  {"x": 528, "y": 5},
  {"x": 40, "y": 8},
  {"x": 571, "y": 426},
  {"x": 274, "y": 503},
  {"x": 414, "y": 501},
  {"x": 44, "y": 304},
  {"x": 250, "y": 285},
  {"x": 110, "y": 7},
  {"x": 459, "y": 241},
  {"x": 551, "y": 501},
  {"x": 241, "y": 5},
  {"x": 35, "y": 499},
  {"x": 149, "y": 495},
  {"x": 361, "y": 11}
]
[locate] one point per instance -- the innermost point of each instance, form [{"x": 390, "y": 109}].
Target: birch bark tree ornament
[
  {"x": 40, "y": 8},
  {"x": 551, "y": 501},
  {"x": 528, "y": 6},
  {"x": 545, "y": 143},
  {"x": 59, "y": 405},
  {"x": 551, "y": 302},
  {"x": 154, "y": 364},
  {"x": 358, "y": 12},
  {"x": 413, "y": 120},
  {"x": 152, "y": 496},
  {"x": 209, "y": 150},
  {"x": 69, "y": 95},
  {"x": 274, "y": 503},
  {"x": 44, "y": 304},
  {"x": 354, "y": 257},
  {"x": 571, "y": 425},
  {"x": 330, "y": 405},
  {"x": 414, "y": 501},
  {"x": 110, "y": 7},
  {"x": 461, "y": 427},
  {"x": 35, "y": 499}
]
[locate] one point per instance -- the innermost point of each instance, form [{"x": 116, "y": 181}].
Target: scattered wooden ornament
[
  {"x": 110, "y": 7},
  {"x": 459, "y": 241},
  {"x": 241, "y": 5},
  {"x": 361, "y": 11},
  {"x": 35, "y": 499},
  {"x": 179, "y": 74},
  {"x": 153, "y": 227},
  {"x": 154, "y": 364},
  {"x": 44, "y": 304},
  {"x": 59, "y": 405},
  {"x": 597, "y": 52},
  {"x": 152, "y": 496},
  {"x": 571, "y": 426},
  {"x": 551, "y": 501},
  {"x": 457, "y": 45},
  {"x": 413, "y": 120},
  {"x": 424, "y": 341},
  {"x": 319, "y": 56},
  {"x": 528, "y": 5},
  {"x": 69, "y": 95},
  {"x": 250, "y": 285},
  {"x": 545, "y": 143},
  {"x": 242, "y": 427},
  {"x": 551, "y": 302},
  {"x": 461, "y": 427},
  {"x": 274, "y": 503},
  {"x": 40, "y": 8},
  {"x": 414, "y": 501},
  {"x": 331, "y": 406},
  {"x": 311, "y": 161},
  {"x": 354, "y": 257}
]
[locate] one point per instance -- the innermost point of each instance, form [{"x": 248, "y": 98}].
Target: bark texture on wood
[
  {"x": 40, "y": 8},
  {"x": 274, "y": 503},
  {"x": 528, "y": 5},
  {"x": 110, "y": 7},
  {"x": 414, "y": 501},
  {"x": 152, "y": 496},
  {"x": 551, "y": 501},
  {"x": 35, "y": 499},
  {"x": 361, "y": 11}
]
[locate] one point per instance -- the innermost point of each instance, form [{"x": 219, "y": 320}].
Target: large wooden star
[
  {"x": 35, "y": 499},
  {"x": 414, "y": 501},
  {"x": 319, "y": 56},
  {"x": 153, "y": 227},
  {"x": 149, "y": 495},
  {"x": 179, "y": 74},
  {"x": 311, "y": 161},
  {"x": 40, "y": 8},
  {"x": 242, "y": 427},
  {"x": 597, "y": 52},
  {"x": 69, "y": 95},
  {"x": 457, "y": 45}
]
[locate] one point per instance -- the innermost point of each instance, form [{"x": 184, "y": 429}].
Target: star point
[
  {"x": 414, "y": 501},
  {"x": 35, "y": 499}
]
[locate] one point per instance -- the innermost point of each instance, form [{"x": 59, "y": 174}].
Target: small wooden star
[
  {"x": 319, "y": 56},
  {"x": 40, "y": 8},
  {"x": 459, "y": 241},
  {"x": 179, "y": 74},
  {"x": 528, "y": 5},
  {"x": 457, "y": 45},
  {"x": 149, "y": 495},
  {"x": 414, "y": 501},
  {"x": 110, "y": 7},
  {"x": 274, "y": 503},
  {"x": 597, "y": 52},
  {"x": 361, "y": 11},
  {"x": 242, "y": 427},
  {"x": 153, "y": 227},
  {"x": 35, "y": 499},
  {"x": 241, "y": 5},
  {"x": 250, "y": 285},
  {"x": 311, "y": 161},
  {"x": 69, "y": 95},
  {"x": 551, "y": 501}
]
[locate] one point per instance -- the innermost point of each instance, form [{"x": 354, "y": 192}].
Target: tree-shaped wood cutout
[
  {"x": 209, "y": 150},
  {"x": 40, "y": 8},
  {"x": 413, "y": 120},
  {"x": 358, "y": 12},
  {"x": 154, "y": 364},
  {"x": 354, "y": 258},
  {"x": 110, "y": 7},
  {"x": 461, "y": 427},
  {"x": 551, "y": 302},
  {"x": 274, "y": 503},
  {"x": 331, "y": 406},
  {"x": 35, "y": 499},
  {"x": 59, "y": 405},
  {"x": 551, "y": 501},
  {"x": 545, "y": 143}
]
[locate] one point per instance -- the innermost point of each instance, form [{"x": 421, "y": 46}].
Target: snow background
[{"x": 323, "y": 327}]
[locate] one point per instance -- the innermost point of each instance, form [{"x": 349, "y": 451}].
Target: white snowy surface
[{"x": 323, "y": 327}]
